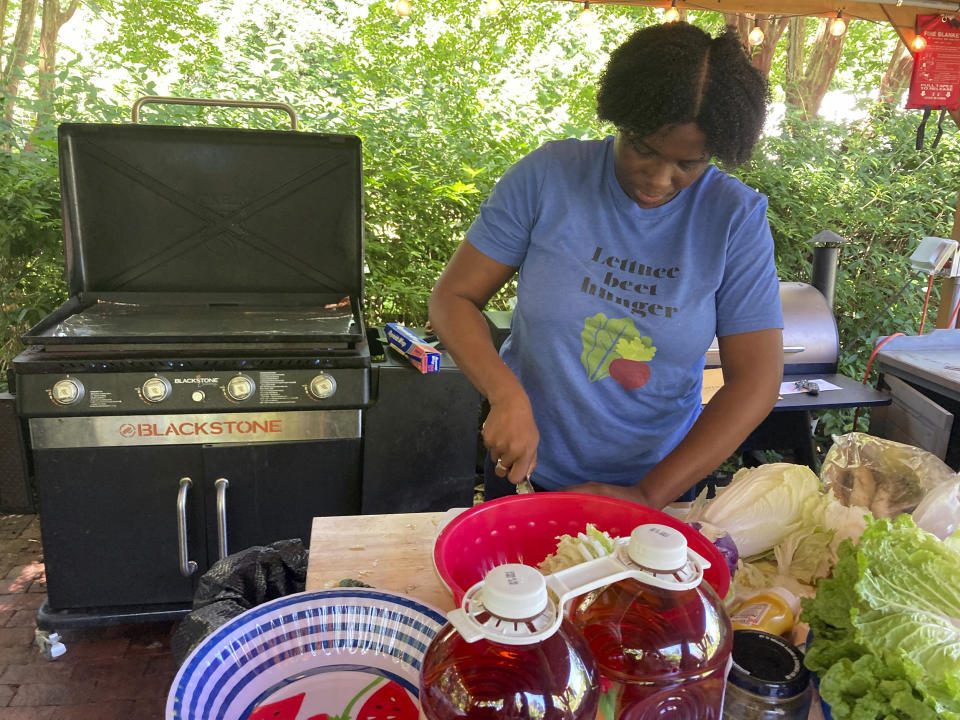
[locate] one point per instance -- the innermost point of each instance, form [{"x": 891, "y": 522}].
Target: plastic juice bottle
[
  {"x": 508, "y": 655},
  {"x": 662, "y": 637},
  {"x": 773, "y": 610}
]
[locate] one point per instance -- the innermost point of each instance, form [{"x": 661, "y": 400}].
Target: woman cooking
[{"x": 632, "y": 253}]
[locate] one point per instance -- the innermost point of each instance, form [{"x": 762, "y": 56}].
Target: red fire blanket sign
[{"x": 935, "y": 82}]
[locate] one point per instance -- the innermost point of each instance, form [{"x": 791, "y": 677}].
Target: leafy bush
[
  {"x": 868, "y": 183},
  {"x": 31, "y": 254}
]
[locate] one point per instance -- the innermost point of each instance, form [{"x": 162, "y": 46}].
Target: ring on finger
[{"x": 501, "y": 465}]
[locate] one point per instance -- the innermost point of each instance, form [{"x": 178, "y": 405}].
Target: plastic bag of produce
[
  {"x": 883, "y": 476},
  {"x": 939, "y": 511}
]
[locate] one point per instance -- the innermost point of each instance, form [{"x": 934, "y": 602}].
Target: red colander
[{"x": 525, "y": 528}]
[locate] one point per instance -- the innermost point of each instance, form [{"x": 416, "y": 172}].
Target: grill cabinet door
[
  {"x": 274, "y": 490},
  {"x": 109, "y": 524}
]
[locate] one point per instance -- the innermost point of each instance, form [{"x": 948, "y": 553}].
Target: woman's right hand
[
  {"x": 511, "y": 436},
  {"x": 468, "y": 282}
]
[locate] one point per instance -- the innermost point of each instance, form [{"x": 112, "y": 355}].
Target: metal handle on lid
[
  {"x": 211, "y": 102},
  {"x": 221, "y": 485},
  {"x": 187, "y": 567}
]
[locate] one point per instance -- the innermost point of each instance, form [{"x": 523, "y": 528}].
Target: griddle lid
[{"x": 188, "y": 209}]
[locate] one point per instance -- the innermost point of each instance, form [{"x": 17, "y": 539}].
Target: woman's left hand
[{"x": 633, "y": 493}]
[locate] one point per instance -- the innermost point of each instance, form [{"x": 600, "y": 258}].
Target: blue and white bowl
[{"x": 324, "y": 653}]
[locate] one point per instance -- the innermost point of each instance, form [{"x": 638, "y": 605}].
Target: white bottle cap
[
  {"x": 658, "y": 547},
  {"x": 514, "y": 591}
]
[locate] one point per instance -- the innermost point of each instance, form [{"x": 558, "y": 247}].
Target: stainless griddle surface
[{"x": 133, "y": 322}]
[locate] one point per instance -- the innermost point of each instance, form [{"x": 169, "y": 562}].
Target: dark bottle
[{"x": 507, "y": 655}]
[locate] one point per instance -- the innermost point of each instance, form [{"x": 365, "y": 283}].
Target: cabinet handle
[
  {"x": 221, "y": 485},
  {"x": 187, "y": 567}
]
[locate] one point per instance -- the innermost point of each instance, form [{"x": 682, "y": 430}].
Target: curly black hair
[{"x": 675, "y": 73}]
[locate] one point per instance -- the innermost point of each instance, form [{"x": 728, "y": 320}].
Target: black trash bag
[{"x": 237, "y": 583}]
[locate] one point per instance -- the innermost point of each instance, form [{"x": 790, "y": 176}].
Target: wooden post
[{"x": 950, "y": 287}]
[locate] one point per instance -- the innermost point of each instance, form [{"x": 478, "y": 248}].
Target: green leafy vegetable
[
  {"x": 808, "y": 553},
  {"x": 762, "y": 506},
  {"x": 886, "y": 626},
  {"x": 572, "y": 550}
]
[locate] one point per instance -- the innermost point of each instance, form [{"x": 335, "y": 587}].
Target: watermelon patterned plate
[{"x": 341, "y": 654}]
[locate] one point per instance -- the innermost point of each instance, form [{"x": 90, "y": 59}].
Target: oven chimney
[{"x": 825, "y": 253}]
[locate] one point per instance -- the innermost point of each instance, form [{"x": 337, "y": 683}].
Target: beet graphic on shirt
[
  {"x": 631, "y": 374},
  {"x": 613, "y": 347}
]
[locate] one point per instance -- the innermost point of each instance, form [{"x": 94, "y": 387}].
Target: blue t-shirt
[{"x": 617, "y": 305}]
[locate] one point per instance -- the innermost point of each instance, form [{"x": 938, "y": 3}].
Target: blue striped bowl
[{"x": 307, "y": 654}]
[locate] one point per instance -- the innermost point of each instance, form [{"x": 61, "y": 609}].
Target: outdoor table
[{"x": 389, "y": 552}]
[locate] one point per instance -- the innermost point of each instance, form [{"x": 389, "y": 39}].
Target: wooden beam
[
  {"x": 899, "y": 16},
  {"x": 904, "y": 21}
]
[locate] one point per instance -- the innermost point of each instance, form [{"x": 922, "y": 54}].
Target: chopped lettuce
[
  {"x": 886, "y": 626},
  {"x": 574, "y": 550}
]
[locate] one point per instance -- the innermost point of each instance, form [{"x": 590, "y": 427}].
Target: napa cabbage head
[
  {"x": 762, "y": 506},
  {"x": 888, "y": 619}
]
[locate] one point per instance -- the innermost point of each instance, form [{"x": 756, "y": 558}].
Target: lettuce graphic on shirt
[{"x": 613, "y": 347}]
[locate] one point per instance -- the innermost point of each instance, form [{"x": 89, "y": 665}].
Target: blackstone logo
[
  {"x": 197, "y": 381},
  {"x": 193, "y": 429}
]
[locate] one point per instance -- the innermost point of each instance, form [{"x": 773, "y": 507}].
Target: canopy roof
[{"x": 901, "y": 16}]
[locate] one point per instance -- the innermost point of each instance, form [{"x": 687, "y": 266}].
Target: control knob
[
  {"x": 155, "y": 389},
  {"x": 322, "y": 386},
  {"x": 68, "y": 391},
  {"x": 241, "y": 387}
]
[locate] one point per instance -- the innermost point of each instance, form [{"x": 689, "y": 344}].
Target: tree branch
[
  {"x": 18, "y": 54},
  {"x": 4, "y": 6},
  {"x": 64, "y": 17}
]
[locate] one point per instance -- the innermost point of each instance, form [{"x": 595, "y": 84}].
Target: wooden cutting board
[{"x": 390, "y": 552}]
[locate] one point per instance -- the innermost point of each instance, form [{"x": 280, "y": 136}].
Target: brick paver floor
[{"x": 121, "y": 672}]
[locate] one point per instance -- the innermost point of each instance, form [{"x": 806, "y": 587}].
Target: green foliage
[
  {"x": 153, "y": 34},
  {"x": 31, "y": 256},
  {"x": 867, "y": 183}
]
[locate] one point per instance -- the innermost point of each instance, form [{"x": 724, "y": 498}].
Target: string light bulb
[
  {"x": 587, "y": 16},
  {"x": 671, "y": 14},
  {"x": 492, "y": 7},
  {"x": 919, "y": 43},
  {"x": 839, "y": 26},
  {"x": 756, "y": 36},
  {"x": 403, "y": 8}
]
